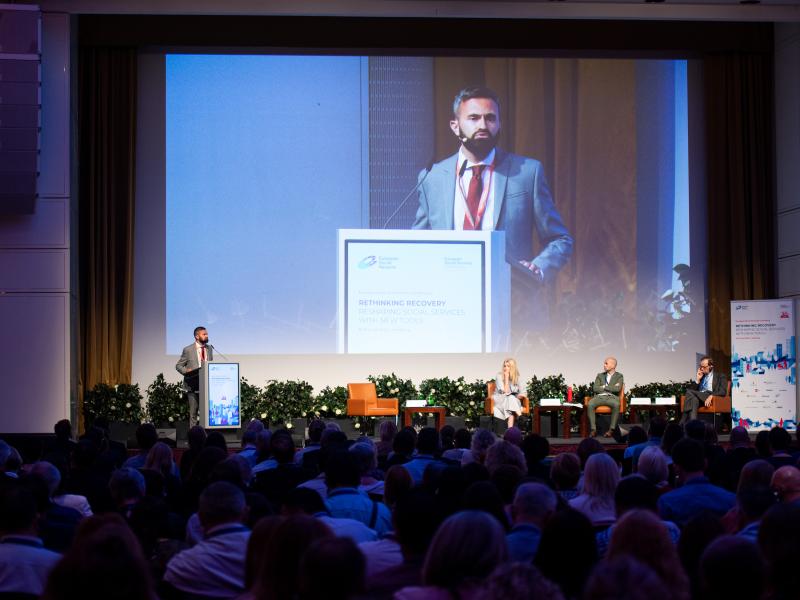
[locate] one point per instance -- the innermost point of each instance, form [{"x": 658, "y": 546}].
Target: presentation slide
[
  {"x": 412, "y": 296},
  {"x": 588, "y": 166}
]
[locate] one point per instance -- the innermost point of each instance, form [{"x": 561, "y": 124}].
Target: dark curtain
[
  {"x": 106, "y": 154},
  {"x": 741, "y": 196}
]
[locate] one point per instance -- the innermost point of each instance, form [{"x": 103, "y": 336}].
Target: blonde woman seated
[{"x": 506, "y": 404}]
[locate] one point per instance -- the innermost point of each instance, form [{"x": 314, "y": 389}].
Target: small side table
[
  {"x": 566, "y": 409},
  {"x": 439, "y": 413}
]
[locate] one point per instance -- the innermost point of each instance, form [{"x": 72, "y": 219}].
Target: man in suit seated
[
  {"x": 607, "y": 386},
  {"x": 707, "y": 383}
]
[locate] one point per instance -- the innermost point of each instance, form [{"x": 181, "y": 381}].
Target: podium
[
  {"x": 220, "y": 396},
  {"x": 422, "y": 291}
]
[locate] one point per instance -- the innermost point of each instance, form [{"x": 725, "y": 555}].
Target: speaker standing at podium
[
  {"x": 188, "y": 365},
  {"x": 483, "y": 187}
]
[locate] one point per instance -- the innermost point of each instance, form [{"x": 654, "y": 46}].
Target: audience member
[
  {"x": 587, "y": 447},
  {"x": 536, "y": 448},
  {"x": 386, "y": 432},
  {"x": 779, "y": 541},
  {"x": 261, "y": 539},
  {"x": 786, "y": 484},
  {"x": 655, "y": 435},
  {"x": 402, "y": 448},
  {"x": 518, "y": 581},
  {"x": 426, "y": 457},
  {"x": 503, "y": 453},
  {"x": 625, "y": 578},
  {"x": 462, "y": 443},
  {"x": 214, "y": 567},
  {"x": 763, "y": 449},
  {"x": 196, "y": 439},
  {"x": 482, "y": 439},
  {"x": 301, "y": 501},
  {"x": 249, "y": 449},
  {"x": 641, "y": 535},
  {"x": 514, "y": 436},
  {"x": 732, "y": 567},
  {"x": 568, "y": 533},
  {"x": 695, "y": 494},
  {"x": 596, "y": 501},
  {"x": 485, "y": 497},
  {"x": 146, "y": 437},
  {"x": 57, "y": 524},
  {"x": 652, "y": 465},
  {"x": 696, "y": 535},
  {"x": 24, "y": 561},
  {"x": 331, "y": 568},
  {"x": 276, "y": 483},
  {"x": 565, "y": 473},
  {"x": 780, "y": 443},
  {"x": 308, "y": 456},
  {"x": 725, "y": 471},
  {"x": 127, "y": 488},
  {"x": 467, "y": 548},
  {"x": 367, "y": 459},
  {"x": 534, "y": 504},
  {"x": 345, "y": 500}
]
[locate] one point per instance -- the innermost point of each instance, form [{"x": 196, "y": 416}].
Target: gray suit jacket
[
  {"x": 523, "y": 208},
  {"x": 189, "y": 367},
  {"x": 613, "y": 387}
]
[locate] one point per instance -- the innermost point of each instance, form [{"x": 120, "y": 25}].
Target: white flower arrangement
[
  {"x": 357, "y": 425},
  {"x": 289, "y": 426},
  {"x": 263, "y": 415},
  {"x": 127, "y": 405},
  {"x": 324, "y": 407},
  {"x": 337, "y": 411}
]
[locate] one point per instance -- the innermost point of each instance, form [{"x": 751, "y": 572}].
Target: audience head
[
  {"x": 315, "y": 429},
  {"x": 536, "y": 448},
  {"x": 600, "y": 477},
  {"x": 731, "y": 567},
  {"x": 565, "y": 471},
  {"x": 779, "y": 440},
  {"x": 366, "y": 458},
  {"x": 786, "y": 484},
  {"x": 277, "y": 576},
  {"x": 482, "y": 440},
  {"x": 159, "y": 458},
  {"x": 467, "y": 547},
  {"x": 387, "y": 431},
  {"x": 415, "y": 521},
  {"x": 636, "y": 435},
  {"x": 753, "y": 501},
  {"x": 63, "y": 429},
  {"x": 404, "y": 443},
  {"x": 215, "y": 439},
  {"x": 196, "y": 438},
  {"x": 762, "y": 444},
  {"x": 689, "y": 458},
  {"x": 428, "y": 441},
  {"x": 303, "y": 500},
  {"x": 258, "y": 543},
  {"x": 506, "y": 478},
  {"x": 484, "y": 496},
  {"x": 235, "y": 469},
  {"x": 517, "y": 581},
  {"x": 504, "y": 453},
  {"x": 739, "y": 437},
  {"x": 711, "y": 434},
  {"x": 463, "y": 438},
  {"x": 204, "y": 464},
  {"x": 779, "y": 541},
  {"x": 513, "y": 435},
  {"x": 447, "y": 436},
  {"x": 397, "y": 482},
  {"x": 104, "y": 561},
  {"x": 625, "y": 578},
  {"x": 48, "y": 474},
  {"x": 220, "y": 503},
  {"x": 657, "y": 427},
  {"x": 696, "y": 535},
  {"x": 146, "y": 436},
  {"x": 652, "y": 465},
  {"x": 695, "y": 429},
  {"x": 282, "y": 447},
  {"x": 588, "y": 447},
  {"x": 641, "y": 535},
  {"x": 672, "y": 433},
  {"x": 331, "y": 568},
  {"x": 126, "y": 485},
  {"x": 567, "y": 533},
  {"x": 755, "y": 473},
  {"x": 341, "y": 471},
  {"x": 633, "y": 492},
  {"x": 534, "y": 503},
  {"x": 262, "y": 443}
]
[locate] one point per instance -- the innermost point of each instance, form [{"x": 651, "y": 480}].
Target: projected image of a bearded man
[{"x": 483, "y": 187}]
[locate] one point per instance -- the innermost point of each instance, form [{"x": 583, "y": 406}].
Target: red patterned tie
[
  {"x": 202, "y": 353},
  {"x": 474, "y": 194}
]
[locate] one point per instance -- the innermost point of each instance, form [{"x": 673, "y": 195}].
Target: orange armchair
[
  {"x": 600, "y": 410},
  {"x": 363, "y": 401},
  {"x": 488, "y": 404},
  {"x": 719, "y": 404}
]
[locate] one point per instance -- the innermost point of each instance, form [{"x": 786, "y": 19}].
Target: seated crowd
[{"x": 416, "y": 515}]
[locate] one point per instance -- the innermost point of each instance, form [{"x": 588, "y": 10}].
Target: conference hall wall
[{"x": 248, "y": 165}]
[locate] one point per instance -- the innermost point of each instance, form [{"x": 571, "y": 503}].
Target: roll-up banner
[{"x": 763, "y": 364}]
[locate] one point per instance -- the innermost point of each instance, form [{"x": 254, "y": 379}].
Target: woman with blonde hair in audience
[
  {"x": 642, "y": 535},
  {"x": 652, "y": 465},
  {"x": 466, "y": 549},
  {"x": 596, "y": 501}
]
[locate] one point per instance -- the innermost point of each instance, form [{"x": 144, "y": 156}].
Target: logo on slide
[{"x": 367, "y": 262}]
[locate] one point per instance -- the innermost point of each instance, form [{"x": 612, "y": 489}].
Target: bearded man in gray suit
[
  {"x": 482, "y": 187},
  {"x": 188, "y": 365}
]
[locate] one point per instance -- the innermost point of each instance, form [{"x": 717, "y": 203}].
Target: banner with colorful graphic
[{"x": 763, "y": 364}]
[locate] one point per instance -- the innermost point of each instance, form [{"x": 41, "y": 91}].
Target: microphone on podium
[{"x": 428, "y": 168}]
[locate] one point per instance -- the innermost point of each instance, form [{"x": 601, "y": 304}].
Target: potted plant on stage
[
  {"x": 120, "y": 405},
  {"x": 166, "y": 406},
  {"x": 330, "y": 404}
]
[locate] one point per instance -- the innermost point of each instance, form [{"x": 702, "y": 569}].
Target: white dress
[{"x": 506, "y": 404}]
